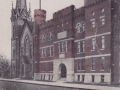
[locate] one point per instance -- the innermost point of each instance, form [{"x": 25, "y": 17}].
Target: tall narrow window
[
  {"x": 103, "y": 63},
  {"x": 43, "y": 38},
  {"x": 78, "y": 77},
  {"x": 93, "y": 78},
  {"x": 50, "y": 66},
  {"x": 50, "y": 36},
  {"x": 78, "y": 26},
  {"x": 93, "y": 63},
  {"x": 59, "y": 47},
  {"x": 81, "y": 46},
  {"x": 102, "y": 20},
  {"x": 27, "y": 46},
  {"x": 82, "y": 26},
  {"x": 93, "y": 43},
  {"x": 102, "y": 78},
  {"x": 62, "y": 46},
  {"x": 65, "y": 46},
  {"x": 83, "y": 78},
  {"x": 43, "y": 52},
  {"x": 78, "y": 47},
  {"x": 93, "y": 23},
  {"x": 51, "y": 51},
  {"x": 83, "y": 64},
  {"x": 103, "y": 42},
  {"x": 79, "y": 65}
]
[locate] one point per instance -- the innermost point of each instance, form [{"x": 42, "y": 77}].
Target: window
[
  {"x": 103, "y": 42},
  {"x": 50, "y": 36},
  {"x": 81, "y": 46},
  {"x": 93, "y": 63},
  {"x": 83, "y": 78},
  {"x": 27, "y": 46},
  {"x": 43, "y": 67},
  {"x": 81, "y": 64},
  {"x": 102, "y": 9},
  {"x": 93, "y": 78},
  {"x": 43, "y": 38},
  {"x": 51, "y": 51},
  {"x": 49, "y": 77},
  {"x": 93, "y": 43},
  {"x": 102, "y": 78},
  {"x": 80, "y": 27},
  {"x": 103, "y": 63},
  {"x": 43, "y": 52},
  {"x": 93, "y": 13},
  {"x": 78, "y": 77},
  {"x": 102, "y": 20},
  {"x": 62, "y": 46},
  {"x": 50, "y": 66},
  {"x": 93, "y": 23}
]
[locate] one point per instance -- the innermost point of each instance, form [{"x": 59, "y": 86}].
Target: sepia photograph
[{"x": 60, "y": 45}]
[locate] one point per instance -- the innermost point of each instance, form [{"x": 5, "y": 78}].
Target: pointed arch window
[{"x": 27, "y": 46}]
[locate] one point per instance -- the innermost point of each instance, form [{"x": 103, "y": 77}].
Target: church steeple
[{"x": 21, "y": 4}]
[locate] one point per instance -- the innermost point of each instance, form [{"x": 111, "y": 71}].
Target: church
[{"x": 76, "y": 45}]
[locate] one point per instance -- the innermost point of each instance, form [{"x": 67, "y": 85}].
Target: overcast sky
[{"x": 50, "y": 6}]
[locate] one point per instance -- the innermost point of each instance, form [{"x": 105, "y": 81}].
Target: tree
[{"x": 4, "y": 67}]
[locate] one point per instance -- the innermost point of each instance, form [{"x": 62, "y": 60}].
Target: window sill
[
  {"x": 102, "y": 49},
  {"x": 92, "y": 50},
  {"x": 62, "y": 52},
  {"x": 93, "y": 70},
  {"x": 81, "y": 53},
  {"x": 42, "y": 57},
  {"x": 50, "y": 56},
  {"x": 80, "y": 70},
  {"x": 102, "y": 70},
  {"x": 102, "y": 25},
  {"x": 81, "y": 32}
]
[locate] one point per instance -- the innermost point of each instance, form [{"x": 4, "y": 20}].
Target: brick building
[{"x": 75, "y": 45}]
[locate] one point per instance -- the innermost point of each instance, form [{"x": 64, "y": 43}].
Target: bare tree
[{"x": 4, "y": 67}]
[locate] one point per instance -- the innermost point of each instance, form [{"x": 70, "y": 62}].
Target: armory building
[{"x": 80, "y": 45}]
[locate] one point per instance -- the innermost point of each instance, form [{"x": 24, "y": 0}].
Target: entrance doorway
[{"x": 63, "y": 71}]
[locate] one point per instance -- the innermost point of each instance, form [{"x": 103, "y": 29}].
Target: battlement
[
  {"x": 39, "y": 16},
  {"x": 91, "y": 3},
  {"x": 64, "y": 12}
]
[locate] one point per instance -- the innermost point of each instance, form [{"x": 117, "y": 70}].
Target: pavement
[{"x": 63, "y": 84}]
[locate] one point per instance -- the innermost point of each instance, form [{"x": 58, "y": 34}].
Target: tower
[
  {"x": 39, "y": 18},
  {"x": 19, "y": 15}
]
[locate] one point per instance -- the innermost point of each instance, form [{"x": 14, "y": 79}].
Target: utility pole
[{"x": 40, "y": 4}]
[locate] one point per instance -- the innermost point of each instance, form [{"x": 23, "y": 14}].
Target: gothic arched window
[{"x": 27, "y": 46}]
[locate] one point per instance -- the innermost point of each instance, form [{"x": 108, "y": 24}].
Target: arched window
[
  {"x": 50, "y": 36},
  {"x": 43, "y": 37},
  {"x": 27, "y": 46}
]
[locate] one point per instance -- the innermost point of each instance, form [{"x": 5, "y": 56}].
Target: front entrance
[{"x": 63, "y": 71}]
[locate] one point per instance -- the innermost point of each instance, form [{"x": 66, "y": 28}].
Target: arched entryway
[{"x": 63, "y": 71}]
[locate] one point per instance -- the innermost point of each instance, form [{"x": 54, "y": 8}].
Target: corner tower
[{"x": 39, "y": 18}]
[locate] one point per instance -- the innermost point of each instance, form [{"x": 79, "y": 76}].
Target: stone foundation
[{"x": 88, "y": 77}]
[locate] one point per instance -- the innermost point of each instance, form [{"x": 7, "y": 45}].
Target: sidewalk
[{"x": 62, "y": 84}]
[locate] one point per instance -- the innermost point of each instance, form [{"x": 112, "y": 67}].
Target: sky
[{"x": 50, "y": 6}]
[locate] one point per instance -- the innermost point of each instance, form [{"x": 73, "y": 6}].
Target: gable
[{"x": 26, "y": 32}]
